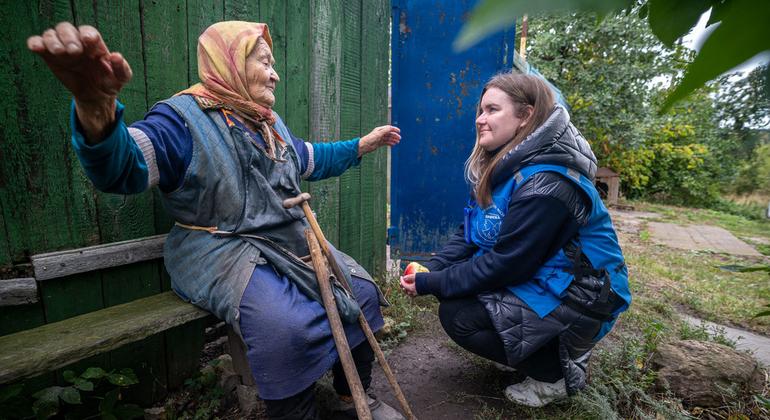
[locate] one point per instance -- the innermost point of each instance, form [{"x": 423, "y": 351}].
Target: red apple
[{"x": 414, "y": 268}]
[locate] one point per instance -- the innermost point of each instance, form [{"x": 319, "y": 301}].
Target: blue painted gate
[{"x": 434, "y": 96}]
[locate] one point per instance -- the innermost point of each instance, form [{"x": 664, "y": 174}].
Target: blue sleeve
[
  {"x": 172, "y": 144},
  {"x": 332, "y": 159},
  {"x": 120, "y": 165},
  {"x": 524, "y": 244},
  {"x": 116, "y": 164}
]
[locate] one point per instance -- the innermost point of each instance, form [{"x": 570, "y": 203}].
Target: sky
[{"x": 699, "y": 33}]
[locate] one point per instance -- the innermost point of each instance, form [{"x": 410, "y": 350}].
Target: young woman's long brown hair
[{"x": 524, "y": 91}]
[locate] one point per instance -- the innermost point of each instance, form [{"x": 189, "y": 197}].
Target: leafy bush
[{"x": 754, "y": 175}]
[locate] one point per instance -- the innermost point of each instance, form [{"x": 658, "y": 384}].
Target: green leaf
[
  {"x": 84, "y": 385},
  {"x": 107, "y": 405},
  {"x": 644, "y": 11},
  {"x": 70, "y": 395},
  {"x": 491, "y": 16},
  {"x": 743, "y": 33},
  {"x": 45, "y": 409},
  {"x": 120, "y": 379},
  {"x": 671, "y": 19},
  {"x": 93, "y": 373},
  {"x": 128, "y": 412},
  {"x": 50, "y": 394},
  {"x": 10, "y": 392},
  {"x": 46, "y": 402},
  {"x": 761, "y": 314},
  {"x": 69, "y": 376}
]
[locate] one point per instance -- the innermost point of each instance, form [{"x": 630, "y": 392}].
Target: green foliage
[
  {"x": 607, "y": 71},
  {"x": 743, "y": 31},
  {"x": 754, "y": 174},
  {"x": 94, "y": 393}
]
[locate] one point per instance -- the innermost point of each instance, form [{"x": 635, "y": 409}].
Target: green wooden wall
[{"x": 332, "y": 57}]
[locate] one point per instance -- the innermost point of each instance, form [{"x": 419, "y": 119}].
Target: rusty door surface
[{"x": 434, "y": 96}]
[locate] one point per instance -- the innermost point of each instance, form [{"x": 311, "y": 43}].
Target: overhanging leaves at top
[
  {"x": 672, "y": 19},
  {"x": 743, "y": 31},
  {"x": 492, "y": 15}
]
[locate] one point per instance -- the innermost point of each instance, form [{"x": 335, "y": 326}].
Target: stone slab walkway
[{"x": 699, "y": 237}]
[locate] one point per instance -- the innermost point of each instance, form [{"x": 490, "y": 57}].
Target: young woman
[{"x": 535, "y": 275}]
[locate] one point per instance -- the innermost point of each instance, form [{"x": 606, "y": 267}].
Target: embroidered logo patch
[{"x": 489, "y": 227}]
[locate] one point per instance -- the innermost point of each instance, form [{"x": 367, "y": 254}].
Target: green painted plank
[
  {"x": 148, "y": 361},
  {"x": 58, "y": 344},
  {"x": 5, "y": 252},
  {"x": 325, "y": 61},
  {"x": 200, "y": 15},
  {"x": 124, "y": 217},
  {"x": 374, "y": 94},
  {"x": 124, "y": 284},
  {"x": 273, "y": 13},
  {"x": 381, "y": 9},
  {"x": 184, "y": 345},
  {"x": 350, "y": 126},
  {"x": 71, "y": 296},
  {"x": 18, "y": 318},
  {"x": 166, "y": 62},
  {"x": 45, "y": 206},
  {"x": 242, "y": 10},
  {"x": 296, "y": 79}
]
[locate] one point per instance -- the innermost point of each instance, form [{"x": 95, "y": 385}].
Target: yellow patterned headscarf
[{"x": 222, "y": 51}]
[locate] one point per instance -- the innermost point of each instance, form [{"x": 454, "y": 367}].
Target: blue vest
[{"x": 597, "y": 239}]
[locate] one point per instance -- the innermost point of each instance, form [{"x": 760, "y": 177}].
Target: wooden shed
[{"x": 608, "y": 184}]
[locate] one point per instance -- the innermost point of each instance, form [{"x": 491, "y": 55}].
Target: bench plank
[
  {"x": 64, "y": 263},
  {"x": 52, "y": 346},
  {"x": 21, "y": 291}
]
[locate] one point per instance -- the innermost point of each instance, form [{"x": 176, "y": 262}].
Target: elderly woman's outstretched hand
[
  {"x": 79, "y": 58},
  {"x": 387, "y": 135}
]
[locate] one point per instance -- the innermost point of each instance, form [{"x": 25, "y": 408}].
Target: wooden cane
[
  {"x": 302, "y": 199},
  {"x": 338, "y": 332}
]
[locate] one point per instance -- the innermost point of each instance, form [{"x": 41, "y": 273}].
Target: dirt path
[{"x": 442, "y": 381}]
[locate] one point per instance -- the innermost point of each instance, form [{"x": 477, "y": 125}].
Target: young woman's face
[
  {"x": 261, "y": 75},
  {"x": 497, "y": 123}
]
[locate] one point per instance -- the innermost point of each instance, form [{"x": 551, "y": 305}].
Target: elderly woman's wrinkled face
[{"x": 260, "y": 74}]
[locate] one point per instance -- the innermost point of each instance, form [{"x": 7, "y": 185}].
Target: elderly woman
[
  {"x": 224, "y": 162},
  {"x": 535, "y": 276}
]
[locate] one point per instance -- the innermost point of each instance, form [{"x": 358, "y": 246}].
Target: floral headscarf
[{"x": 222, "y": 51}]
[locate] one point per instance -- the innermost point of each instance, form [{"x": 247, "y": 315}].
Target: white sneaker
[{"x": 534, "y": 393}]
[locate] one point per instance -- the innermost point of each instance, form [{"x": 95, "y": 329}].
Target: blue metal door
[{"x": 434, "y": 96}]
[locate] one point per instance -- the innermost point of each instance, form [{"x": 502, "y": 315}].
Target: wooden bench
[{"x": 32, "y": 352}]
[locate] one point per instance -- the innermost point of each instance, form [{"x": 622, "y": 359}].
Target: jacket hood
[{"x": 555, "y": 142}]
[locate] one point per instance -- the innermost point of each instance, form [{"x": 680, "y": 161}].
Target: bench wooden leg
[{"x": 238, "y": 353}]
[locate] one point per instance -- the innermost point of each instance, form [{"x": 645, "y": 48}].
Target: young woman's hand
[
  {"x": 79, "y": 58},
  {"x": 386, "y": 135},
  {"x": 408, "y": 285}
]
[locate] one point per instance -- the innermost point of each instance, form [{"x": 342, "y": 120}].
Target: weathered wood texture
[
  {"x": 23, "y": 355},
  {"x": 15, "y": 292},
  {"x": 64, "y": 263}
]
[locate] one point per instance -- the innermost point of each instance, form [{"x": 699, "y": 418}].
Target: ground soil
[{"x": 439, "y": 379}]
